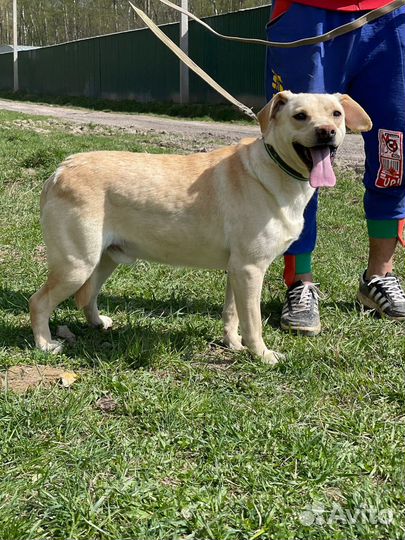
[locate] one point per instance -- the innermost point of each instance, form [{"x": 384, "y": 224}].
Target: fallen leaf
[{"x": 67, "y": 378}]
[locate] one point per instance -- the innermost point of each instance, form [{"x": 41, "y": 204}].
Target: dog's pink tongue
[{"x": 322, "y": 174}]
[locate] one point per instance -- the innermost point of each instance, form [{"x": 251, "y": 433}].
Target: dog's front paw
[{"x": 272, "y": 357}]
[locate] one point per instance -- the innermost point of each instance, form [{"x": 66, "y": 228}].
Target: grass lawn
[{"x": 204, "y": 443}]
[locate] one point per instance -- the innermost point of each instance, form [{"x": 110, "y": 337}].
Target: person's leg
[
  {"x": 381, "y": 256},
  {"x": 306, "y": 69},
  {"x": 300, "y": 311},
  {"x": 298, "y": 258},
  {"x": 379, "y": 87}
]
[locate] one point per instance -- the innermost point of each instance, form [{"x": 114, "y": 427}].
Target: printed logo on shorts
[
  {"x": 391, "y": 159},
  {"x": 277, "y": 83}
]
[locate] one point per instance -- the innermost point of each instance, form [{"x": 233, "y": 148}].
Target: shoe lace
[
  {"x": 301, "y": 297},
  {"x": 391, "y": 287}
]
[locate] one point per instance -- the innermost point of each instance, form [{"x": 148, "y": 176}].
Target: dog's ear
[
  {"x": 356, "y": 117},
  {"x": 270, "y": 110}
]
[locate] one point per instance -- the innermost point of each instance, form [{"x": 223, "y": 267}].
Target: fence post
[
  {"x": 184, "y": 73},
  {"x": 15, "y": 47}
]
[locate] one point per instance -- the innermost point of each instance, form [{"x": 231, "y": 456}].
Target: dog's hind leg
[
  {"x": 231, "y": 320},
  {"x": 72, "y": 258},
  {"x": 59, "y": 286},
  {"x": 86, "y": 296}
]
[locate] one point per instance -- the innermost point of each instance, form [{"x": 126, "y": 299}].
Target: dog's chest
[{"x": 282, "y": 226}]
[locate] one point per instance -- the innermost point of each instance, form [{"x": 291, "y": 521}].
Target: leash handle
[{"x": 339, "y": 31}]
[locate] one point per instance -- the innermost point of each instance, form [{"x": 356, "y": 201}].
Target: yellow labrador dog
[{"x": 236, "y": 208}]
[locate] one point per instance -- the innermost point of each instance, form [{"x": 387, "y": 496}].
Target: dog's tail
[
  {"x": 52, "y": 180},
  {"x": 48, "y": 184}
]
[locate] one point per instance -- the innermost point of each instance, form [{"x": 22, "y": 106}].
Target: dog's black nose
[{"x": 325, "y": 134}]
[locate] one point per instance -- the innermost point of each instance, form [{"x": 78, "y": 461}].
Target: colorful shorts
[{"x": 369, "y": 65}]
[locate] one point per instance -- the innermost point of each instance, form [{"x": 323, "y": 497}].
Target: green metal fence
[
  {"x": 136, "y": 65},
  {"x": 238, "y": 67},
  {"x": 6, "y": 71}
]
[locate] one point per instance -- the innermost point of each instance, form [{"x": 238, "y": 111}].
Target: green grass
[{"x": 204, "y": 443}]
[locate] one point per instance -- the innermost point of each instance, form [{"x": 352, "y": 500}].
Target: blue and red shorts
[{"x": 369, "y": 65}]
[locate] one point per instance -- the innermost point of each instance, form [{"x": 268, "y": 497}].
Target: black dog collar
[{"x": 282, "y": 164}]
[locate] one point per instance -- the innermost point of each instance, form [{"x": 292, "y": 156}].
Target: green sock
[
  {"x": 382, "y": 228},
  {"x": 303, "y": 263}
]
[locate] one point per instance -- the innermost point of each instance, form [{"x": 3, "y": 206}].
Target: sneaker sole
[
  {"x": 304, "y": 330},
  {"x": 367, "y": 302}
]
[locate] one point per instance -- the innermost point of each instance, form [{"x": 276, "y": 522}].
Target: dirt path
[{"x": 351, "y": 153}]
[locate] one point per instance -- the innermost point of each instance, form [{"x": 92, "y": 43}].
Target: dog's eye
[
  {"x": 337, "y": 114},
  {"x": 300, "y": 116}
]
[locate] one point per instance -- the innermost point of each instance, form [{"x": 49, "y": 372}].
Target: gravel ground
[{"x": 184, "y": 134}]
